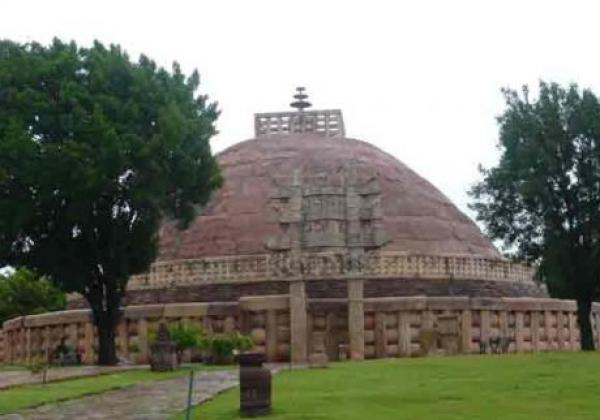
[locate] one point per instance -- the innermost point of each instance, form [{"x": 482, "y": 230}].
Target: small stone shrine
[{"x": 163, "y": 354}]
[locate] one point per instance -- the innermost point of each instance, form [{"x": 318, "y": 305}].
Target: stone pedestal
[{"x": 255, "y": 385}]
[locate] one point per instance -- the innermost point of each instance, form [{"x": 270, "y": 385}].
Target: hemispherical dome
[{"x": 404, "y": 212}]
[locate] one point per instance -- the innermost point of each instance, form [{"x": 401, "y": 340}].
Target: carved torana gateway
[{"x": 319, "y": 244}]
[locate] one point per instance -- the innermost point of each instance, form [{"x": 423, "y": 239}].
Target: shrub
[
  {"x": 186, "y": 337},
  {"x": 39, "y": 365},
  {"x": 221, "y": 349}
]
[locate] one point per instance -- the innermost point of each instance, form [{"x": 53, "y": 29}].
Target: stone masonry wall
[{"x": 321, "y": 289}]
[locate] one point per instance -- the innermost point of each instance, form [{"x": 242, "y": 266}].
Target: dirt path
[
  {"x": 147, "y": 401},
  {"x": 23, "y": 377}
]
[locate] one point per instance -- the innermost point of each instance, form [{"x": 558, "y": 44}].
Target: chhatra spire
[
  {"x": 300, "y": 102},
  {"x": 324, "y": 122}
]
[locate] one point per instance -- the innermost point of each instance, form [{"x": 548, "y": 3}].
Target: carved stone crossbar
[{"x": 313, "y": 266}]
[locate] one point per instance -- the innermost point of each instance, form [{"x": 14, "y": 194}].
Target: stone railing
[
  {"x": 329, "y": 123},
  {"x": 309, "y": 266},
  {"x": 528, "y": 324},
  {"x": 389, "y": 327}
]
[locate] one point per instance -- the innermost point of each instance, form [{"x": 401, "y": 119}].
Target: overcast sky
[{"x": 421, "y": 80}]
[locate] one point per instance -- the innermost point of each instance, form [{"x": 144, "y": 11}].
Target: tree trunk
[
  {"x": 584, "y": 309},
  {"x": 107, "y": 352},
  {"x": 105, "y": 301}
]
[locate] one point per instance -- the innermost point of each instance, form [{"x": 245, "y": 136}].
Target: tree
[
  {"x": 25, "y": 293},
  {"x": 95, "y": 151},
  {"x": 543, "y": 198}
]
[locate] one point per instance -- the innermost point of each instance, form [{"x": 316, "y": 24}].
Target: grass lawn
[
  {"x": 527, "y": 386},
  {"x": 26, "y": 396},
  {"x": 7, "y": 368}
]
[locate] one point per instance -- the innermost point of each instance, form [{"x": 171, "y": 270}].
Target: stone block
[
  {"x": 392, "y": 304},
  {"x": 318, "y": 360},
  {"x": 448, "y": 303},
  {"x": 144, "y": 311},
  {"x": 264, "y": 303},
  {"x": 181, "y": 310}
]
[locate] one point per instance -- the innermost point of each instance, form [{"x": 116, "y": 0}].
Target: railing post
[
  {"x": 356, "y": 319},
  {"x": 298, "y": 322}
]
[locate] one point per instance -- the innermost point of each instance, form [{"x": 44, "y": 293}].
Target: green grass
[
  {"x": 27, "y": 396},
  {"x": 8, "y": 368},
  {"x": 515, "y": 387}
]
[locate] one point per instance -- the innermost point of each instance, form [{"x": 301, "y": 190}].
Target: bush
[
  {"x": 221, "y": 349},
  {"x": 186, "y": 337},
  {"x": 39, "y": 365}
]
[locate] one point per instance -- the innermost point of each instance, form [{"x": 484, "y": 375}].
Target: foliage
[
  {"x": 39, "y": 365},
  {"x": 221, "y": 348},
  {"x": 543, "y": 198},
  {"x": 186, "y": 337},
  {"x": 133, "y": 347},
  {"x": 508, "y": 387},
  {"x": 95, "y": 152},
  {"x": 25, "y": 293}
]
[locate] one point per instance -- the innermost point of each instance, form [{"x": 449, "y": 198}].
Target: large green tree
[
  {"x": 95, "y": 151},
  {"x": 543, "y": 197},
  {"x": 25, "y": 293}
]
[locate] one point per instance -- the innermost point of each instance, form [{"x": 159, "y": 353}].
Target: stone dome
[
  {"x": 301, "y": 202},
  {"x": 404, "y": 212}
]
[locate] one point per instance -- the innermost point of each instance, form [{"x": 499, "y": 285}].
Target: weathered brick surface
[
  {"x": 471, "y": 288},
  {"x": 417, "y": 217},
  {"x": 327, "y": 289}
]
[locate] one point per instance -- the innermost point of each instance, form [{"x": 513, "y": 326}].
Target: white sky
[{"x": 421, "y": 80}]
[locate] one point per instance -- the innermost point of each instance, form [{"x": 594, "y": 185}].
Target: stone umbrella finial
[{"x": 300, "y": 102}]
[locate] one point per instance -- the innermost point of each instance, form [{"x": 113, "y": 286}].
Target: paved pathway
[
  {"x": 22, "y": 377},
  {"x": 146, "y": 401}
]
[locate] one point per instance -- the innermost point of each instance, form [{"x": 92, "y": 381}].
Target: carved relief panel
[{"x": 323, "y": 212}]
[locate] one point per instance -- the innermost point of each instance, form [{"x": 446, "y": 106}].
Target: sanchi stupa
[{"x": 322, "y": 244}]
